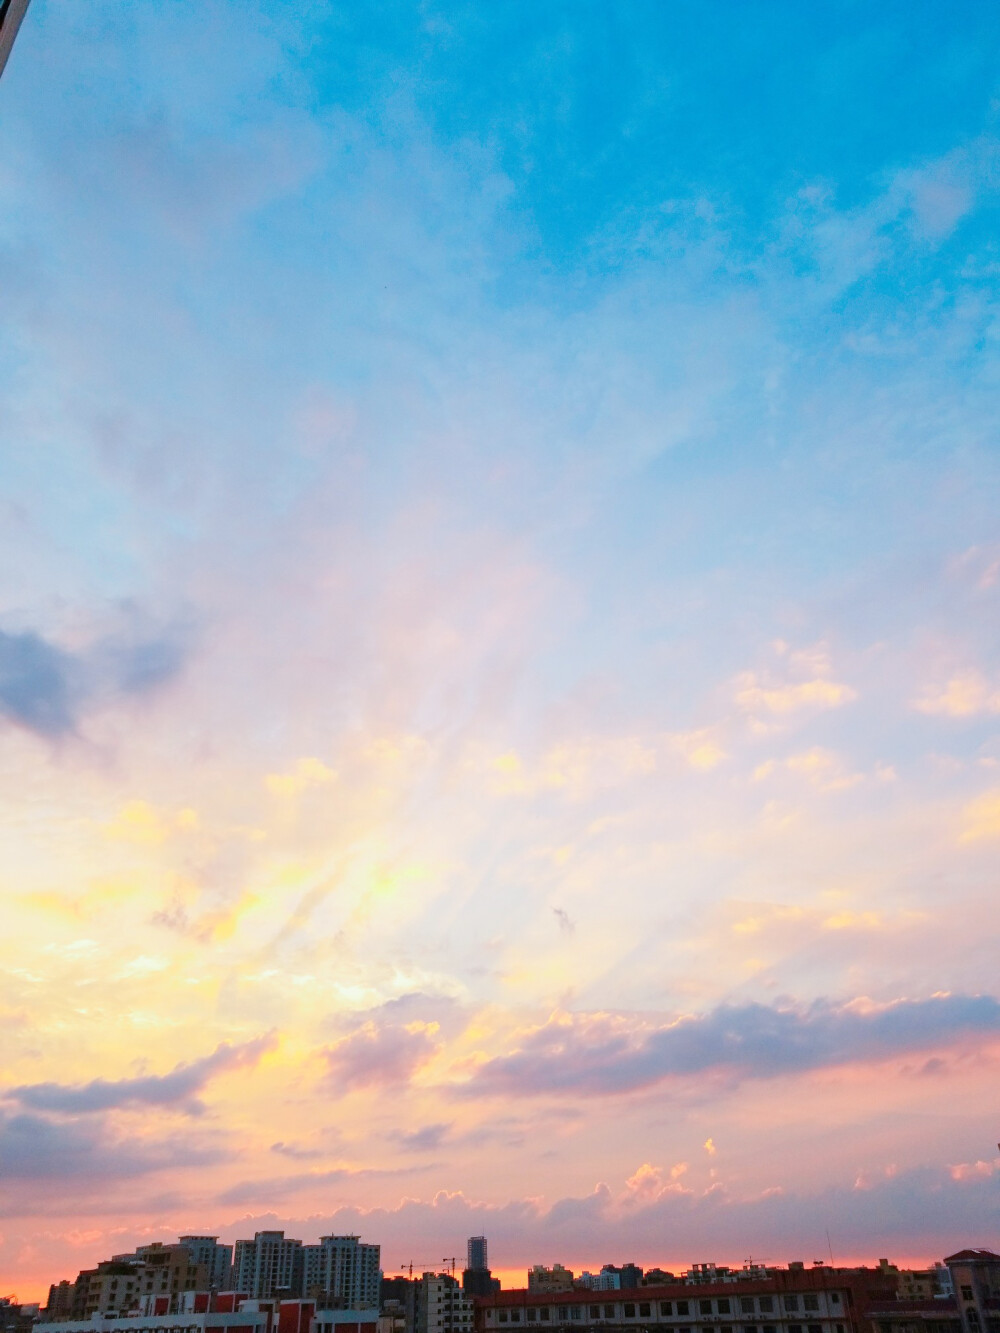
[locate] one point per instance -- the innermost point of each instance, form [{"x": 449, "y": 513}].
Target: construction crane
[{"x": 430, "y": 1265}]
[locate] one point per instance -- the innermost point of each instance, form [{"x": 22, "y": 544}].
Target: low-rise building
[{"x": 556, "y": 1278}]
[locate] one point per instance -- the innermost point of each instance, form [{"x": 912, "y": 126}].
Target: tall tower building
[
  {"x": 267, "y": 1265},
  {"x": 345, "y": 1269},
  {"x": 477, "y": 1279}
]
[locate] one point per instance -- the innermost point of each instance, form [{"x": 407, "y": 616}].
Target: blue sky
[{"x": 498, "y": 580}]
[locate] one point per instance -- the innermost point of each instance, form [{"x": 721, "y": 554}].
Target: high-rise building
[
  {"x": 268, "y": 1265},
  {"x": 218, "y": 1259},
  {"x": 476, "y": 1278},
  {"x": 343, "y": 1270},
  {"x": 476, "y": 1249}
]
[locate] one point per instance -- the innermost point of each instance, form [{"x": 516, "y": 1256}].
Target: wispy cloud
[{"x": 179, "y": 1088}]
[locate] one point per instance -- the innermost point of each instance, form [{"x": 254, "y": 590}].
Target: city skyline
[{"x": 499, "y": 588}]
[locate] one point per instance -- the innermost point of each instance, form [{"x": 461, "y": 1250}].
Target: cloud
[
  {"x": 607, "y": 1053},
  {"x": 964, "y": 695},
  {"x": 45, "y": 689},
  {"x": 178, "y": 1088},
  {"x": 982, "y": 817},
  {"x": 427, "y": 1139},
  {"x": 279, "y": 1187},
  {"x": 380, "y": 1054},
  {"x": 754, "y": 696},
  {"x": 39, "y": 684},
  {"x": 35, "y": 1148},
  {"x": 566, "y": 923},
  {"x": 308, "y": 772}
]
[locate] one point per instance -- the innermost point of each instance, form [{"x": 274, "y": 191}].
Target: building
[
  {"x": 165, "y": 1270},
  {"x": 241, "y": 1315},
  {"x": 442, "y": 1306},
  {"x": 16, "y": 1318},
  {"x": 794, "y": 1300},
  {"x": 109, "y": 1289},
  {"x": 975, "y": 1276},
  {"x": 476, "y": 1251},
  {"x": 556, "y": 1278},
  {"x": 342, "y": 1272},
  {"x": 218, "y": 1259},
  {"x": 477, "y": 1280},
  {"x": 268, "y": 1265},
  {"x": 606, "y": 1280}
]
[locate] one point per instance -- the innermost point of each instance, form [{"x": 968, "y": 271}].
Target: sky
[{"x": 499, "y": 636}]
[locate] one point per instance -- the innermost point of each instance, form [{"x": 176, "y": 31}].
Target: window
[
  {"x": 834, "y": 1297},
  {"x": 749, "y": 1328},
  {"x": 810, "y": 1302},
  {"x": 794, "y": 1328},
  {"x": 503, "y": 1316},
  {"x": 515, "y": 1316},
  {"x": 723, "y": 1305},
  {"x": 791, "y": 1302},
  {"x": 575, "y": 1312},
  {"x": 746, "y": 1304},
  {"x": 765, "y": 1304},
  {"x": 682, "y": 1307},
  {"x": 595, "y": 1312},
  {"x": 629, "y": 1310},
  {"x": 532, "y": 1316},
  {"x": 966, "y": 1293},
  {"x": 644, "y": 1309},
  {"x": 545, "y": 1312},
  {"x": 666, "y": 1308},
  {"x": 705, "y": 1307},
  {"x": 609, "y": 1312},
  {"x": 815, "y": 1328}
]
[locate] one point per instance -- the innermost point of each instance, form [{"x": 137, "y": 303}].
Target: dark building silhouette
[{"x": 476, "y": 1277}]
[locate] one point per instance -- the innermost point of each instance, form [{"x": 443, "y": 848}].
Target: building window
[
  {"x": 575, "y": 1312},
  {"x": 794, "y": 1328},
  {"x": 665, "y": 1308},
  {"x": 532, "y": 1316},
  {"x": 834, "y": 1297},
  {"x": 810, "y": 1302},
  {"x": 503, "y": 1316},
  {"x": 545, "y": 1312},
  {"x": 629, "y": 1310},
  {"x": 765, "y": 1304},
  {"x": 791, "y": 1302},
  {"x": 723, "y": 1305},
  {"x": 609, "y": 1312},
  {"x": 746, "y": 1305},
  {"x": 966, "y": 1293},
  {"x": 644, "y": 1310},
  {"x": 682, "y": 1307},
  {"x": 515, "y": 1316},
  {"x": 705, "y": 1307},
  {"x": 815, "y": 1328},
  {"x": 595, "y": 1312}
]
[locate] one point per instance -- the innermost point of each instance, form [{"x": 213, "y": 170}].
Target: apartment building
[
  {"x": 442, "y": 1306},
  {"x": 342, "y": 1270},
  {"x": 267, "y": 1265}
]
